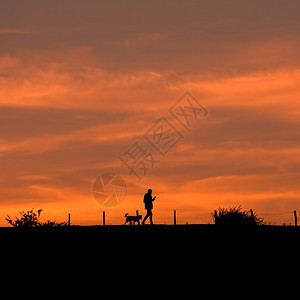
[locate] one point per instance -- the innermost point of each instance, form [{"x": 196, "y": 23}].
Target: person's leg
[
  {"x": 150, "y": 214},
  {"x": 146, "y": 217}
]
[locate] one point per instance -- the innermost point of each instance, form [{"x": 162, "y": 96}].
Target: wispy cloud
[
  {"x": 14, "y": 31},
  {"x": 36, "y": 177}
]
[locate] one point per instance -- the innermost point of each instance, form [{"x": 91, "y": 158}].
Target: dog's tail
[{"x": 126, "y": 215}]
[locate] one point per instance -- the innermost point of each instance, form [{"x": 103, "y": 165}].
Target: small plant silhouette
[
  {"x": 31, "y": 219},
  {"x": 235, "y": 216}
]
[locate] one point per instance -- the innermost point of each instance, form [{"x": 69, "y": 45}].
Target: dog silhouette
[{"x": 132, "y": 219}]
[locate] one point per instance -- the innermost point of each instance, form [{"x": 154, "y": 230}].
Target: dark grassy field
[
  {"x": 157, "y": 229},
  {"x": 160, "y": 243}
]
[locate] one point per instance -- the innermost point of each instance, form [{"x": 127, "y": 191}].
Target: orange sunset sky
[{"x": 82, "y": 81}]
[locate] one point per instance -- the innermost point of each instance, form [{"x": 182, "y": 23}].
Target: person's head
[{"x": 150, "y": 191}]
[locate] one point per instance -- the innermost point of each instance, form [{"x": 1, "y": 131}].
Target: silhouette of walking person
[{"x": 148, "y": 206}]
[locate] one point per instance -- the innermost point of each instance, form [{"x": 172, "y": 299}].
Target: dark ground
[
  {"x": 182, "y": 245},
  {"x": 197, "y": 229}
]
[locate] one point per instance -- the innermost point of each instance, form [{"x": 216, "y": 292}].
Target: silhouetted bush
[
  {"x": 235, "y": 216},
  {"x": 31, "y": 219},
  {"x": 52, "y": 224}
]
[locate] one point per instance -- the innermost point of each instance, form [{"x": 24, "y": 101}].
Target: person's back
[{"x": 148, "y": 201}]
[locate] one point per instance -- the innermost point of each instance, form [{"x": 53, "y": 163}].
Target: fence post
[
  {"x": 103, "y": 218},
  {"x": 216, "y": 216},
  {"x": 295, "y": 215},
  {"x": 252, "y": 215},
  {"x": 174, "y": 217},
  {"x": 137, "y": 214},
  {"x": 69, "y": 219}
]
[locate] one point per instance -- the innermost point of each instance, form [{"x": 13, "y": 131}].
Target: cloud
[
  {"x": 14, "y": 31},
  {"x": 50, "y": 142},
  {"x": 36, "y": 177},
  {"x": 60, "y": 84},
  {"x": 20, "y": 123}
]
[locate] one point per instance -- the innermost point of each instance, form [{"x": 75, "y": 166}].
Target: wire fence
[
  {"x": 168, "y": 218},
  {"x": 286, "y": 218},
  {"x": 181, "y": 218}
]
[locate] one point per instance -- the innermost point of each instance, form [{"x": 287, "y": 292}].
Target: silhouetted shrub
[
  {"x": 52, "y": 224},
  {"x": 31, "y": 219},
  {"x": 235, "y": 216}
]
